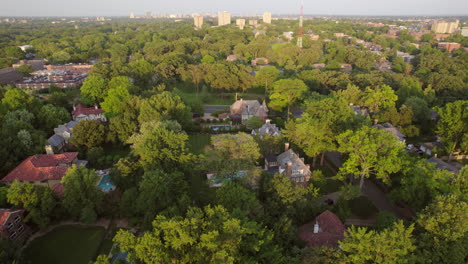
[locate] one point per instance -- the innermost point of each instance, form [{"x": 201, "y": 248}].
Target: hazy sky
[{"x": 326, "y": 7}]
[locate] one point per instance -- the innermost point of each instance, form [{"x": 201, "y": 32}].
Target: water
[
  {"x": 216, "y": 128},
  {"x": 105, "y": 184}
]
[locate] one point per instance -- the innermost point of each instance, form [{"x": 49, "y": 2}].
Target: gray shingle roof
[{"x": 56, "y": 140}]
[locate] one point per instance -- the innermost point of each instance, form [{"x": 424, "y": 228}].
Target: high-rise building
[
  {"x": 267, "y": 17},
  {"x": 444, "y": 26},
  {"x": 148, "y": 14},
  {"x": 132, "y": 15},
  {"x": 224, "y": 18},
  {"x": 240, "y": 22},
  {"x": 253, "y": 22},
  {"x": 198, "y": 21},
  {"x": 464, "y": 32}
]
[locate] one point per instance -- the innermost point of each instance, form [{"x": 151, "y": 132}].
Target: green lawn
[
  {"x": 66, "y": 244},
  {"x": 198, "y": 142}
]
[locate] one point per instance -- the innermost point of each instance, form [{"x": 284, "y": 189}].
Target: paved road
[
  {"x": 372, "y": 191},
  {"x": 213, "y": 108}
]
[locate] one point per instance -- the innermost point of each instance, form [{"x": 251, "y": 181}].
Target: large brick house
[
  {"x": 11, "y": 224},
  {"x": 44, "y": 169},
  {"x": 81, "y": 112},
  {"x": 242, "y": 111},
  {"x": 290, "y": 165}
]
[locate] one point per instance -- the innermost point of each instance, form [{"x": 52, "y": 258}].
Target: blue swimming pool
[
  {"x": 225, "y": 127},
  {"x": 105, "y": 184}
]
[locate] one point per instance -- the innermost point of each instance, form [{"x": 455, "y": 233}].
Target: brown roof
[
  {"x": 83, "y": 110},
  {"x": 331, "y": 231},
  {"x": 42, "y": 167}
]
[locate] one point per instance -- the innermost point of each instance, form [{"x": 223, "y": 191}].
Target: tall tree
[
  {"x": 51, "y": 116},
  {"x": 371, "y": 151},
  {"x": 164, "y": 106},
  {"x": 161, "y": 144},
  {"x": 323, "y": 120},
  {"x": 95, "y": 88},
  {"x": 37, "y": 200},
  {"x": 88, "y": 133},
  {"x": 392, "y": 245},
  {"x": 162, "y": 193},
  {"x": 209, "y": 235},
  {"x": 81, "y": 195},
  {"x": 380, "y": 98},
  {"x": 267, "y": 76},
  {"x": 285, "y": 93},
  {"x": 452, "y": 125},
  {"x": 232, "y": 152}
]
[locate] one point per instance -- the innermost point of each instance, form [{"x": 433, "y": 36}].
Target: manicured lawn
[
  {"x": 198, "y": 142},
  {"x": 66, "y": 244}
]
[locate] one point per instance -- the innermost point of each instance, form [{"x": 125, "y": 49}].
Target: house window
[
  {"x": 13, "y": 236},
  {"x": 17, "y": 219},
  {"x": 10, "y": 226},
  {"x": 20, "y": 229}
]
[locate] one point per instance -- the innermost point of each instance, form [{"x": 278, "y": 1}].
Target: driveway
[{"x": 213, "y": 108}]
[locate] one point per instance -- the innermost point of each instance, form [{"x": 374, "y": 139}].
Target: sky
[{"x": 311, "y": 7}]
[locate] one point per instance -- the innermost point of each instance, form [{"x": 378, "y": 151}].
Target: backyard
[{"x": 68, "y": 244}]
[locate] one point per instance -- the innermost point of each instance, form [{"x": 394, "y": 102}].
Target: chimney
[
  {"x": 376, "y": 121},
  {"x": 435, "y": 155},
  {"x": 316, "y": 227},
  {"x": 289, "y": 169},
  {"x": 307, "y": 166},
  {"x": 95, "y": 106},
  {"x": 286, "y": 146},
  {"x": 49, "y": 150},
  {"x": 74, "y": 108},
  {"x": 268, "y": 121}
]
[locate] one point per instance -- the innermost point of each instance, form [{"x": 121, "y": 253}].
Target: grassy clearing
[{"x": 66, "y": 244}]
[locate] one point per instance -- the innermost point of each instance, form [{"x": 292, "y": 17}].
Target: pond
[{"x": 70, "y": 244}]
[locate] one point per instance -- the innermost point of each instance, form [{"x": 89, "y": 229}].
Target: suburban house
[
  {"x": 260, "y": 61},
  {"x": 231, "y": 58},
  {"x": 290, "y": 165},
  {"x": 59, "y": 140},
  {"x": 358, "y": 110},
  {"x": 242, "y": 110},
  {"x": 11, "y": 224},
  {"x": 391, "y": 129},
  {"x": 326, "y": 230},
  {"x": 267, "y": 129},
  {"x": 81, "y": 112},
  {"x": 44, "y": 169},
  {"x": 442, "y": 165},
  {"x": 429, "y": 147}
]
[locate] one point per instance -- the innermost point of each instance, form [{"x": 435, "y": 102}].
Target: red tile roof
[
  {"x": 83, "y": 110},
  {"x": 5, "y": 214},
  {"x": 42, "y": 167},
  {"x": 331, "y": 231}
]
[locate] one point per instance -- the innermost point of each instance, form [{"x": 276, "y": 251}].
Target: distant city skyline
[{"x": 140, "y": 7}]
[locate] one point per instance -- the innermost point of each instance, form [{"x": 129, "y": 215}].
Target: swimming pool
[
  {"x": 105, "y": 184},
  {"x": 225, "y": 127}
]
